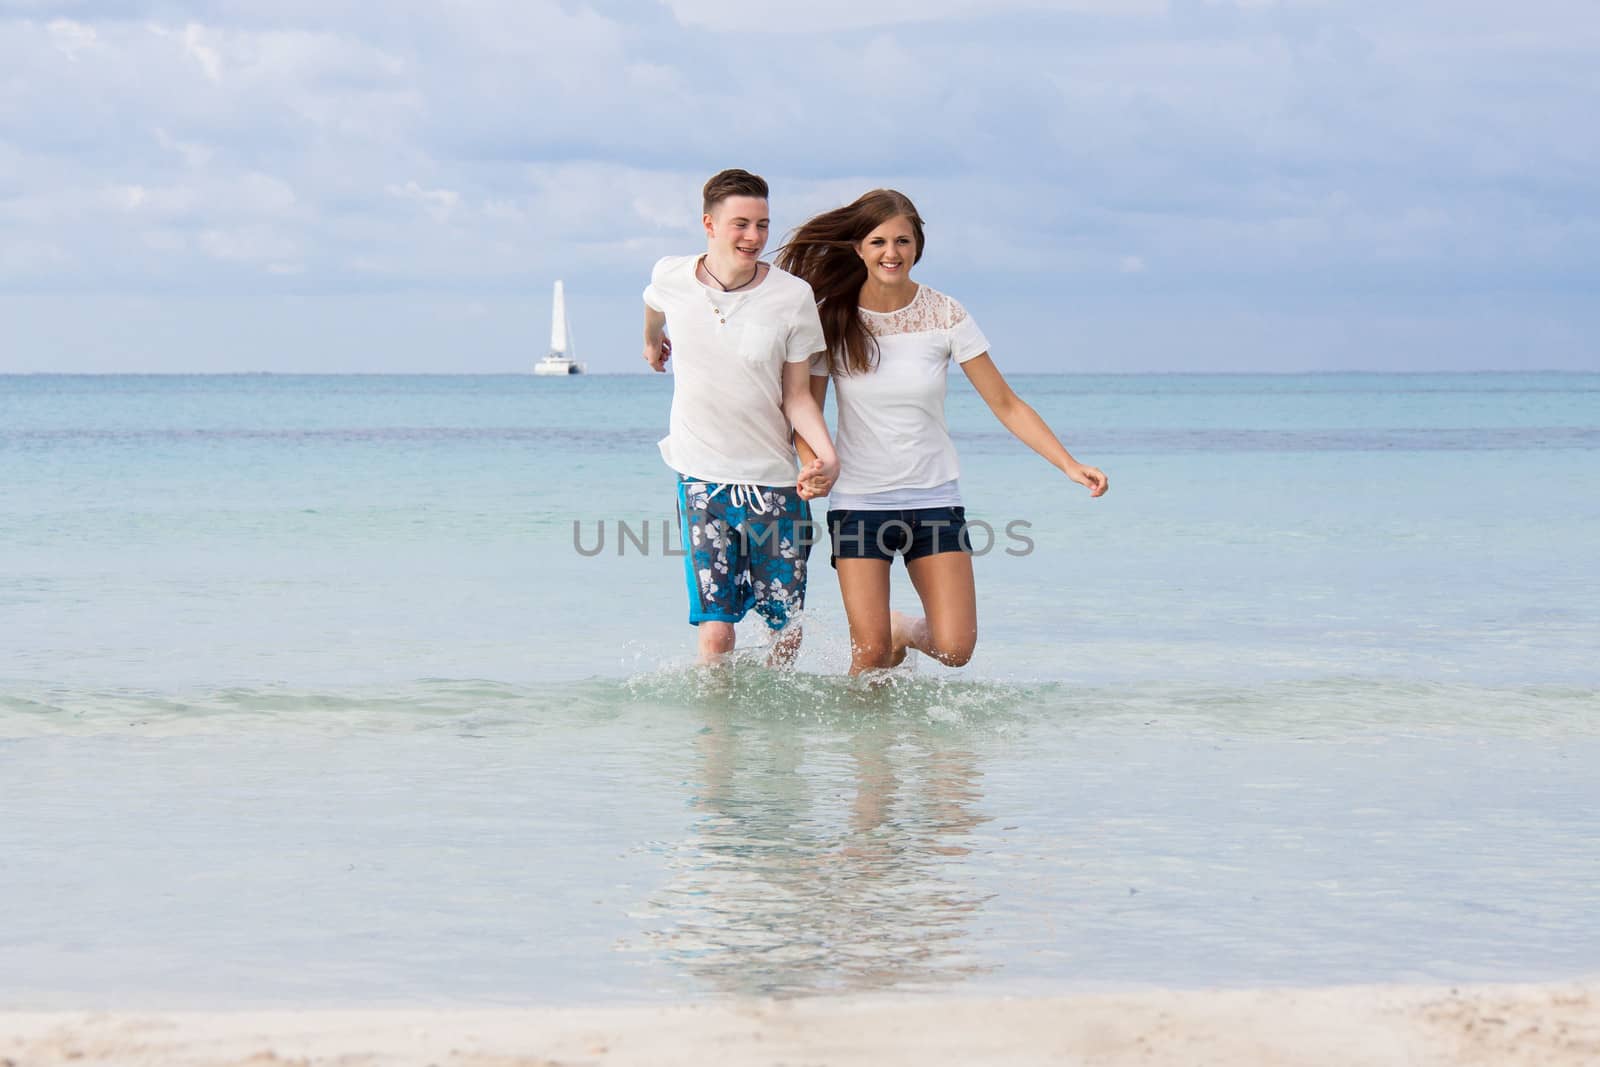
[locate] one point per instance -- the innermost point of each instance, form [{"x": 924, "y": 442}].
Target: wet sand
[{"x": 1504, "y": 1026}]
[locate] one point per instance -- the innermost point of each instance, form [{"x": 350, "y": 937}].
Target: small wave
[
  {"x": 584, "y": 437},
  {"x": 746, "y": 687},
  {"x": 748, "y": 691},
  {"x": 1448, "y": 439}
]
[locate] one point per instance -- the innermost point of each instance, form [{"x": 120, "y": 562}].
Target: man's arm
[
  {"x": 819, "y": 392},
  {"x": 800, "y": 407},
  {"x": 657, "y": 345}
]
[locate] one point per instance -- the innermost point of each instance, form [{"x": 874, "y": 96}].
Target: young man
[{"x": 742, "y": 336}]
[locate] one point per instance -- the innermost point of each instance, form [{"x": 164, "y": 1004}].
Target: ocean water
[{"x": 308, "y": 696}]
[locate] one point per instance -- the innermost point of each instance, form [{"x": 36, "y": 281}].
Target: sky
[{"x": 1109, "y": 185}]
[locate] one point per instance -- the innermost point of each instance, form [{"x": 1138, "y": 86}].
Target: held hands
[
  {"x": 657, "y": 353},
  {"x": 1091, "y": 478},
  {"x": 816, "y": 478}
]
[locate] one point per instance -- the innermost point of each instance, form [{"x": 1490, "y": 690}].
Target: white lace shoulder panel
[{"x": 929, "y": 310}]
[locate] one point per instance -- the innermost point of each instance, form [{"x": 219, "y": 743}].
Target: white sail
[
  {"x": 559, "y": 361},
  {"x": 558, "y": 323}
]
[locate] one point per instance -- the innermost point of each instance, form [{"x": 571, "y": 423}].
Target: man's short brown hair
[{"x": 732, "y": 183}]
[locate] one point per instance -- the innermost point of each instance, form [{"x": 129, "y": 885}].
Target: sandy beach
[{"x": 1505, "y": 1026}]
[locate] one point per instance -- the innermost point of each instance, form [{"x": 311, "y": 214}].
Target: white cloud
[
  {"x": 248, "y": 244},
  {"x": 130, "y": 197},
  {"x": 71, "y": 38},
  {"x": 439, "y": 203},
  {"x": 164, "y": 240},
  {"x": 262, "y": 194},
  {"x": 506, "y": 211},
  {"x": 193, "y": 154},
  {"x": 25, "y": 259},
  {"x": 817, "y": 16},
  {"x": 210, "y": 60},
  {"x": 661, "y": 209},
  {"x": 497, "y": 143}
]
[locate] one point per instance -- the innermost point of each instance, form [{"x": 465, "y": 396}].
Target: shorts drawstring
[{"x": 744, "y": 495}]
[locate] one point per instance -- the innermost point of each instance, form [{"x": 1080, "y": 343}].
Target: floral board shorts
[{"x": 745, "y": 546}]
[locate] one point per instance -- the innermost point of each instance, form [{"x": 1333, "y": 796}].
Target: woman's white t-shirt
[
  {"x": 728, "y": 352},
  {"x": 893, "y": 442}
]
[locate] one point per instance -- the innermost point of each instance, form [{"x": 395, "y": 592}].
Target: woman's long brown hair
[{"x": 823, "y": 253}]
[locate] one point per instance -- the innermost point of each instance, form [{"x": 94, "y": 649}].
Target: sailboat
[{"x": 560, "y": 360}]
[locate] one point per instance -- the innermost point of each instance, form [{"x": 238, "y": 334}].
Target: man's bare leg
[
  {"x": 785, "y": 647},
  {"x": 716, "y": 641}
]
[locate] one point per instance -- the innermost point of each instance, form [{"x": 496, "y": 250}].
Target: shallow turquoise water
[{"x": 306, "y": 695}]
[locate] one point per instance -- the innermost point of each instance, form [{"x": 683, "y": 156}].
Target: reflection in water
[{"x": 822, "y": 858}]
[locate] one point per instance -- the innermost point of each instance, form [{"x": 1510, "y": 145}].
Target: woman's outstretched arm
[{"x": 1026, "y": 425}]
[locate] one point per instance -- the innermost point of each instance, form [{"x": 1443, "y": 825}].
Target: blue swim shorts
[{"x": 745, "y": 546}]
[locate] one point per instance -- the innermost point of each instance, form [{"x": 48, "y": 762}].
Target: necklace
[{"x": 706, "y": 266}]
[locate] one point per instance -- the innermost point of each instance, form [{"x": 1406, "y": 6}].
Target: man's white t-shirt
[
  {"x": 893, "y": 442},
  {"x": 728, "y": 352}
]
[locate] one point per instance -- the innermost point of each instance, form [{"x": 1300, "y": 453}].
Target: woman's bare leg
[
  {"x": 864, "y": 587},
  {"x": 949, "y": 629}
]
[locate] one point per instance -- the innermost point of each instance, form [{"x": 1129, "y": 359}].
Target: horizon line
[{"x": 645, "y": 374}]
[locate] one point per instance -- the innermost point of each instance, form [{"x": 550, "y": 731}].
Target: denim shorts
[{"x": 912, "y": 533}]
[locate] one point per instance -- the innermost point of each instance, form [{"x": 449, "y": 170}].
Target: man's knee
[{"x": 716, "y": 636}]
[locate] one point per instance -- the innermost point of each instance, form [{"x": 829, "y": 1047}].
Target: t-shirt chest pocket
[{"x": 757, "y": 343}]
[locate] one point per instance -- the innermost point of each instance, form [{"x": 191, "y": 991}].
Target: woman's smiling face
[{"x": 889, "y": 251}]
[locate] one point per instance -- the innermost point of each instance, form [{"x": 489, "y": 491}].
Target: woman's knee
[
  {"x": 872, "y": 652},
  {"x": 953, "y": 650}
]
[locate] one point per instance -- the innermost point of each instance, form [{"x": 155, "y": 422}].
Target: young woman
[{"x": 890, "y": 344}]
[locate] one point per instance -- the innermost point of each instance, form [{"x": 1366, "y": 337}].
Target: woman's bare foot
[{"x": 902, "y": 636}]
